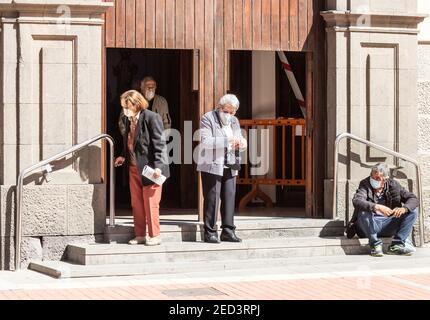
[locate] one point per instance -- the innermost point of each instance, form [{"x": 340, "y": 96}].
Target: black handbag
[
  {"x": 234, "y": 163},
  {"x": 351, "y": 230},
  {"x": 231, "y": 160}
]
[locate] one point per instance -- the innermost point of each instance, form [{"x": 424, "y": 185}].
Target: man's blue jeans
[{"x": 375, "y": 226}]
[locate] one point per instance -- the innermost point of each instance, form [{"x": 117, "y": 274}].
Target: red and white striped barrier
[{"x": 292, "y": 78}]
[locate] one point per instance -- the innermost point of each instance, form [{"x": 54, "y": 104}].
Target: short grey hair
[
  {"x": 229, "y": 99},
  {"x": 381, "y": 168},
  {"x": 147, "y": 79}
]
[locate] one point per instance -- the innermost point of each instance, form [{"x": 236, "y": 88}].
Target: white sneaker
[
  {"x": 137, "y": 240},
  {"x": 156, "y": 241},
  {"x": 410, "y": 245}
]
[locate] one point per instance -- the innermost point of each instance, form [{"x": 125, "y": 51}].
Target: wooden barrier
[{"x": 292, "y": 158}]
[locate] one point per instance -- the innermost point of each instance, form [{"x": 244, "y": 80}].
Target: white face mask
[
  {"x": 225, "y": 118},
  {"x": 129, "y": 114},
  {"x": 375, "y": 183},
  {"x": 149, "y": 94}
]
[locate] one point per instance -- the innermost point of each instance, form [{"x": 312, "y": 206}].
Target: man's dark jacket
[
  {"x": 365, "y": 200},
  {"x": 149, "y": 144}
]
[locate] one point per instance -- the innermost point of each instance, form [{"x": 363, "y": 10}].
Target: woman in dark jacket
[{"x": 144, "y": 144}]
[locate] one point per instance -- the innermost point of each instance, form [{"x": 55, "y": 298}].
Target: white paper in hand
[{"x": 148, "y": 172}]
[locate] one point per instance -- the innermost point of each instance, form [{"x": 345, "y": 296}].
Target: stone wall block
[
  {"x": 31, "y": 250},
  {"x": 45, "y": 210},
  {"x": 87, "y": 209},
  {"x": 54, "y": 248}
]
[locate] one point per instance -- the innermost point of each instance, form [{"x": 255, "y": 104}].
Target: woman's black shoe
[
  {"x": 229, "y": 237},
  {"x": 211, "y": 239}
]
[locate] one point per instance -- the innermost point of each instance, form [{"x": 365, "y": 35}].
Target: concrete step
[
  {"x": 176, "y": 252},
  {"x": 61, "y": 269},
  {"x": 247, "y": 228},
  {"x": 330, "y": 249}
]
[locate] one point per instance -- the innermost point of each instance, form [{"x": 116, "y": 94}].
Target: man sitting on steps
[{"x": 383, "y": 208}]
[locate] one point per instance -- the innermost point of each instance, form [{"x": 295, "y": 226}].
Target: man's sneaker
[
  {"x": 401, "y": 250},
  {"x": 137, "y": 240},
  {"x": 155, "y": 241},
  {"x": 376, "y": 251},
  {"x": 410, "y": 245}
]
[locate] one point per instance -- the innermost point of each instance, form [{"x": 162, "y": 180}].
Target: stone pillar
[
  {"x": 371, "y": 89},
  {"x": 424, "y": 107},
  {"x": 50, "y": 99}
]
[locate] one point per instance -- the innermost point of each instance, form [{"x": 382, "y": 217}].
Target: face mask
[
  {"x": 128, "y": 113},
  {"x": 225, "y": 118},
  {"x": 150, "y": 94},
  {"x": 375, "y": 183}
]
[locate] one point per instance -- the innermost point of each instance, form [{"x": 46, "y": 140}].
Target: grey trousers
[{"x": 218, "y": 189}]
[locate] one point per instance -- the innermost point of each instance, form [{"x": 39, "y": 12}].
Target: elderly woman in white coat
[{"x": 221, "y": 142}]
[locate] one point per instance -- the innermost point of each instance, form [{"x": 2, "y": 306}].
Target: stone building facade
[
  {"x": 378, "y": 87},
  {"x": 372, "y": 74},
  {"x": 423, "y": 103},
  {"x": 50, "y": 99}
]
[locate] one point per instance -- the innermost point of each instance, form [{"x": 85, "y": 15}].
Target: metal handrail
[
  {"x": 388, "y": 151},
  {"x": 27, "y": 171}
]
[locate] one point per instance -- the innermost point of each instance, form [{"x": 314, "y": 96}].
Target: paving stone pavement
[{"x": 331, "y": 278}]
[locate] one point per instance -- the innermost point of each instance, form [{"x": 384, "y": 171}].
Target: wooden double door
[{"x": 173, "y": 71}]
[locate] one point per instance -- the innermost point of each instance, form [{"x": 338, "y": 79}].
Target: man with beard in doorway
[{"x": 157, "y": 103}]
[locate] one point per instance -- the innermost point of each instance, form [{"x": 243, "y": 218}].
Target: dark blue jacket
[{"x": 365, "y": 200}]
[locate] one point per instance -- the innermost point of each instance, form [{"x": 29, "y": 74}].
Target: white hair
[
  {"x": 229, "y": 99},
  {"x": 381, "y": 168}
]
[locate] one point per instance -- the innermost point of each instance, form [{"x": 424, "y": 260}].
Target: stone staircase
[{"x": 266, "y": 241}]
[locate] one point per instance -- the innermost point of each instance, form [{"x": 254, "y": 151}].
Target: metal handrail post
[
  {"x": 342, "y": 136},
  {"x": 24, "y": 173}
]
